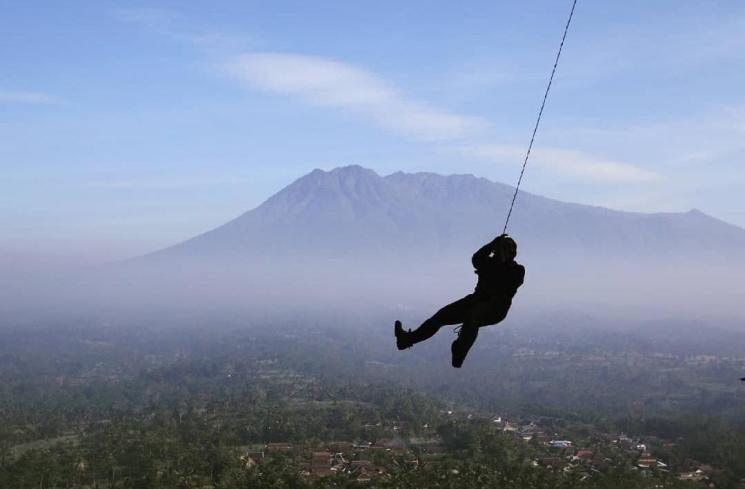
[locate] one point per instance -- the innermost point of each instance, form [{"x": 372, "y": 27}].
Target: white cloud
[
  {"x": 23, "y": 97},
  {"x": 178, "y": 27},
  {"x": 329, "y": 83},
  {"x": 565, "y": 162},
  {"x": 701, "y": 142}
]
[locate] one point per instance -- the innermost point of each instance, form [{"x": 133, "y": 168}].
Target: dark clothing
[
  {"x": 472, "y": 311},
  {"x": 496, "y": 278},
  {"x": 497, "y": 284}
]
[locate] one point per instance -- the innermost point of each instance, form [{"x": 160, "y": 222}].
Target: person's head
[{"x": 505, "y": 248}]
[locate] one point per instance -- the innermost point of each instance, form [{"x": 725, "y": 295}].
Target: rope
[{"x": 540, "y": 113}]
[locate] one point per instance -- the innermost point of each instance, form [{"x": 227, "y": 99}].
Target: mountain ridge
[
  {"x": 352, "y": 207},
  {"x": 351, "y": 240}
]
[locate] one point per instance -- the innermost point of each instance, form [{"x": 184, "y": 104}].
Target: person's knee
[
  {"x": 467, "y": 334},
  {"x": 496, "y": 318}
]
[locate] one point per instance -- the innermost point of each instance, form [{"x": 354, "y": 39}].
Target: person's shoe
[
  {"x": 403, "y": 338},
  {"x": 459, "y": 353}
]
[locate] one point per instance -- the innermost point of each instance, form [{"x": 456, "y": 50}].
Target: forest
[{"x": 90, "y": 406}]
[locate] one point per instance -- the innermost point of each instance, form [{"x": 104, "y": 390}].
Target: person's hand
[{"x": 497, "y": 239}]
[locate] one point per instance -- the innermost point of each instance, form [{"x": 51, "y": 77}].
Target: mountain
[
  {"x": 351, "y": 240},
  {"x": 348, "y": 210}
]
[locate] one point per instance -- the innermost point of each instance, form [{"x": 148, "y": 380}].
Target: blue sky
[{"x": 126, "y": 128}]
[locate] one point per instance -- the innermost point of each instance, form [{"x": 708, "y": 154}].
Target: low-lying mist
[{"x": 359, "y": 286}]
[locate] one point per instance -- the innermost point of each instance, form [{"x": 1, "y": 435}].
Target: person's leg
[
  {"x": 480, "y": 314},
  {"x": 466, "y": 337},
  {"x": 453, "y": 313}
]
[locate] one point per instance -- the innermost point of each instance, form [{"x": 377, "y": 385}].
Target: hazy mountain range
[
  {"x": 351, "y": 240},
  {"x": 352, "y": 209},
  {"x": 352, "y": 237}
]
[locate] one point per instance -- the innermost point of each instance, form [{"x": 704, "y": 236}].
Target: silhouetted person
[{"x": 499, "y": 277}]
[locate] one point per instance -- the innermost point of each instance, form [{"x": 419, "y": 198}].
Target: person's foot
[
  {"x": 403, "y": 338},
  {"x": 459, "y": 353}
]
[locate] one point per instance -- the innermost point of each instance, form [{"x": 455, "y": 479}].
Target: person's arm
[
  {"x": 520, "y": 275},
  {"x": 483, "y": 255}
]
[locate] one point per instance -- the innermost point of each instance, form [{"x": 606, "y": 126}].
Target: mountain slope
[
  {"x": 351, "y": 241},
  {"x": 352, "y": 209}
]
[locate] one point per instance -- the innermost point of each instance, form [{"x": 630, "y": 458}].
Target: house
[
  {"x": 320, "y": 472},
  {"x": 356, "y": 464},
  {"x": 364, "y": 470},
  {"x": 252, "y": 459},
  {"x": 584, "y": 455},
  {"x": 696, "y": 476},
  {"x": 279, "y": 447},
  {"x": 320, "y": 459},
  {"x": 338, "y": 460},
  {"x": 551, "y": 462},
  {"x": 362, "y": 475},
  {"x": 624, "y": 441},
  {"x": 705, "y": 469},
  {"x": 320, "y": 465},
  {"x": 646, "y": 461},
  {"x": 560, "y": 443}
]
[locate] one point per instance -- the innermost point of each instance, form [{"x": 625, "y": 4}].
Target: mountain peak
[
  {"x": 352, "y": 170},
  {"x": 345, "y": 172}
]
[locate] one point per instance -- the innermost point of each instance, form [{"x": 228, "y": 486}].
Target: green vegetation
[{"x": 164, "y": 408}]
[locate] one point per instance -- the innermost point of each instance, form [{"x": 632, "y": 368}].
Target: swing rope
[{"x": 540, "y": 113}]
